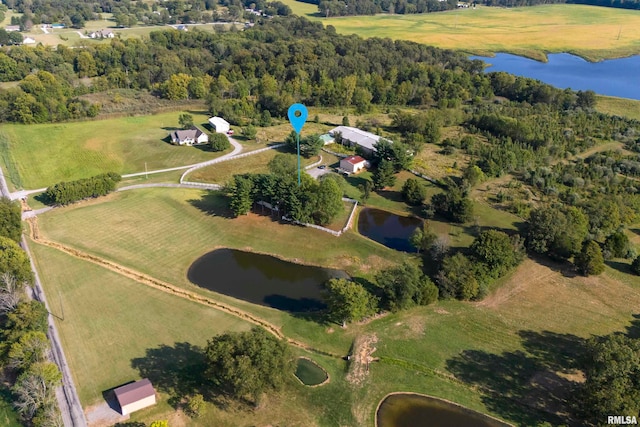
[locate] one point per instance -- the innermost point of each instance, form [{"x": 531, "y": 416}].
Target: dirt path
[
  {"x": 167, "y": 287},
  {"x": 360, "y": 358}
]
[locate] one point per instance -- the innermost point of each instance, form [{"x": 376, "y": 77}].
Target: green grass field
[
  {"x": 622, "y": 107},
  {"x": 528, "y": 328},
  {"x": 8, "y": 417},
  {"x": 594, "y": 33},
  {"x": 40, "y": 155}
]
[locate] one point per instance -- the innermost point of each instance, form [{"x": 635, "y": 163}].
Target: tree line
[
  {"x": 64, "y": 193},
  {"x": 24, "y": 346}
]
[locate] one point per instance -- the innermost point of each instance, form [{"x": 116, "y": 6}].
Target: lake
[
  {"x": 614, "y": 77},
  {"x": 262, "y": 279},
  {"x": 387, "y": 228},
  {"x": 414, "y": 410}
]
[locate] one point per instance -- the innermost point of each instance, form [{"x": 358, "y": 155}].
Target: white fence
[
  {"x": 428, "y": 178},
  {"x": 325, "y": 229}
]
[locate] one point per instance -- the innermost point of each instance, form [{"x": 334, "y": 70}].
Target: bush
[
  {"x": 590, "y": 260},
  {"x": 219, "y": 142},
  {"x": 413, "y": 192},
  {"x": 635, "y": 266}
]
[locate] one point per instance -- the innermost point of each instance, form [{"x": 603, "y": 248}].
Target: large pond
[
  {"x": 614, "y": 77},
  {"x": 262, "y": 279},
  {"x": 387, "y": 228},
  {"x": 412, "y": 410}
]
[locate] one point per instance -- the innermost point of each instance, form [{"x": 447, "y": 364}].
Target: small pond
[
  {"x": 614, "y": 77},
  {"x": 262, "y": 279},
  {"x": 413, "y": 410},
  {"x": 309, "y": 373},
  {"x": 387, "y": 228}
]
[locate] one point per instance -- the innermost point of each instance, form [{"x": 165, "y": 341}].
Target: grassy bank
[
  {"x": 622, "y": 107},
  {"x": 41, "y": 155},
  {"x": 594, "y": 33}
]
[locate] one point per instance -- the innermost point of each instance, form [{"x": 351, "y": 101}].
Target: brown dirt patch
[{"x": 359, "y": 361}]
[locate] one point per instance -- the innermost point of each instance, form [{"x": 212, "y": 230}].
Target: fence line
[
  {"x": 341, "y": 155},
  {"x": 325, "y": 229},
  {"x": 428, "y": 178},
  {"x": 313, "y": 165}
]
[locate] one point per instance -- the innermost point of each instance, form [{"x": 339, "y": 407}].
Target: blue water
[{"x": 614, "y": 77}]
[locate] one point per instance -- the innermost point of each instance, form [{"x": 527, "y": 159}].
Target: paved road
[{"x": 237, "y": 149}]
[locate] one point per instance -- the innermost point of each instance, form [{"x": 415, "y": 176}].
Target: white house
[
  {"x": 28, "y": 40},
  {"x": 353, "y": 164},
  {"x": 135, "y": 396},
  {"x": 189, "y": 136},
  {"x": 219, "y": 124},
  {"x": 102, "y": 34},
  {"x": 356, "y": 137}
]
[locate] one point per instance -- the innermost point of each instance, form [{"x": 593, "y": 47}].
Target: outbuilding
[
  {"x": 219, "y": 124},
  {"x": 356, "y": 138},
  {"x": 353, "y": 164},
  {"x": 135, "y": 396}
]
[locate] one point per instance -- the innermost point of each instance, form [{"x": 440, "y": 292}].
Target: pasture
[
  {"x": 594, "y": 33},
  {"x": 531, "y": 327},
  {"x": 39, "y": 155}
]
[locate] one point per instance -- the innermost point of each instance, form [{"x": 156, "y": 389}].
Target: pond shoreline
[{"x": 412, "y": 393}]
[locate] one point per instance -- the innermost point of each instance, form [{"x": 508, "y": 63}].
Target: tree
[
  {"x": 473, "y": 175},
  {"x": 27, "y": 316},
  {"x": 159, "y": 423},
  {"x": 497, "y": 251},
  {"x": 423, "y": 237},
  {"x": 613, "y": 377},
  {"x": 404, "y": 286},
  {"x": 327, "y": 202},
  {"x": 365, "y": 190},
  {"x": 559, "y": 232},
  {"x": 11, "y": 293},
  {"x": 413, "y": 192},
  {"x": 10, "y": 219},
  {"x": 635, "y": 265},
  {"x": 348, "y": 301},
  {"x": 186, "y": 121},
  {"x": 456, "y": 278},
  {"x": 241, "y": 195},
  {"x": 616, "y": 245},
  {"x": 194, "y": 406},
  {"x": 283, "y": 166},
  {"x": 14, "y": 261},
  {"x": 246, "y": 364},
  {"x": 249, "y": 132},
  {"x": 453, "y": 204},
  {"x": 383, "y": 175},
  {"x": 590, "y": 260},
  {"x": 219, "y": 142},
  {"x": 345, "y": 121},
  {"x": 30, "y": 348},
  {"x": 35, "y": 388},
  {"x": 177, "y": 87}
]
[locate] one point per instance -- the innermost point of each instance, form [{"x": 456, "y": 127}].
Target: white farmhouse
[
  {"x": 189, "y": 137},
  {"x": 219, "y": 124}
]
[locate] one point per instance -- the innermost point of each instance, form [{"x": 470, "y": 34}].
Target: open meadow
[
  {"x": 530, "y": 328},
  {"x": 594, "y": 33},
  {"x": 37, "y": 156}
]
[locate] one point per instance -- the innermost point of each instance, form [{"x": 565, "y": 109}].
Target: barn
[
  {"x": 219, "y": 124},
  {"x": 135, "y": 396},
  {"x": 353, "y": 164}
]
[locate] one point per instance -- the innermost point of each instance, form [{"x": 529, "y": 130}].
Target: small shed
[
  {"x": 219, "y": 124},
  {"x": 135, "y": 396},
  {"x": 353, "y": 164},
  {"x": 28, "y": 40}
]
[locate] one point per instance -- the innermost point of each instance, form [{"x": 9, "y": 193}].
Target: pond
[
  {"x": 262, "y": 279},
  {"x": 414, "y": 410},
  {"x": 614, "y": 77},
  {"x": 309, "y": 373},
  {"x": 387, "y": 228}
]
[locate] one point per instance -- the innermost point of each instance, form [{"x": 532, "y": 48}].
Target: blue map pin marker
[{"x": 297, "y": 121}]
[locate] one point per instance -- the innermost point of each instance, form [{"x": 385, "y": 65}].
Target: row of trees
[
  {"x": 65, "y": 193},
  {"x": 311, "y": 201},
  {"x": 24, "y": 347}
]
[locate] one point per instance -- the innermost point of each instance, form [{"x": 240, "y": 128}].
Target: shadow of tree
[
  {"x": 622, "y": 267},
  {"x": 528, "y": 387},
  {"x": 44, "y": 199},
  {"x": 633, "y": 330},
  {"x": 213, "y": 203},
  {"x": 177, "y": 371}
]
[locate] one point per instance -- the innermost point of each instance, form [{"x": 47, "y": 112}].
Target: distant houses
[
  {"x": 135, "y": 396},
  {"x": 356, "y": 138},
  {"x": 353, "y": 164},
  {"x": 190, "y": 136},
  {"x": 102, "y": 34},
  {"x": 10, "y": 28},
  {"x": 28, "y": 40},
  {"x": 219, "y": 124}
]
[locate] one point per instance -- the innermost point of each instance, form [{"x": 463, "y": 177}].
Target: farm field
[
  {"x": 539, "y": 312},
  {"x": 618, "y": 106},
  {"x": 37, "y": 156},
  {"x": 588, "y": 31}
]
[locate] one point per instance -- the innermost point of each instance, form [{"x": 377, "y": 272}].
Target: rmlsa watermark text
[{"x": 621, "y": 419}]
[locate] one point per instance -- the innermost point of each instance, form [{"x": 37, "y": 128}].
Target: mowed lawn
[
  {"x": 44, "y": 154},
  {"x": 589, "y": 31},
  {"x": 161, "y": 232},
  {"x": 106, "y": 320}
]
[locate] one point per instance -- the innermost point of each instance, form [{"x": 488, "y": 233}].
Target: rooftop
[
  {"x": 354, "y": 160},
  {"x": 357, "y": 136},
  {"x": 134, "y": 392}
]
